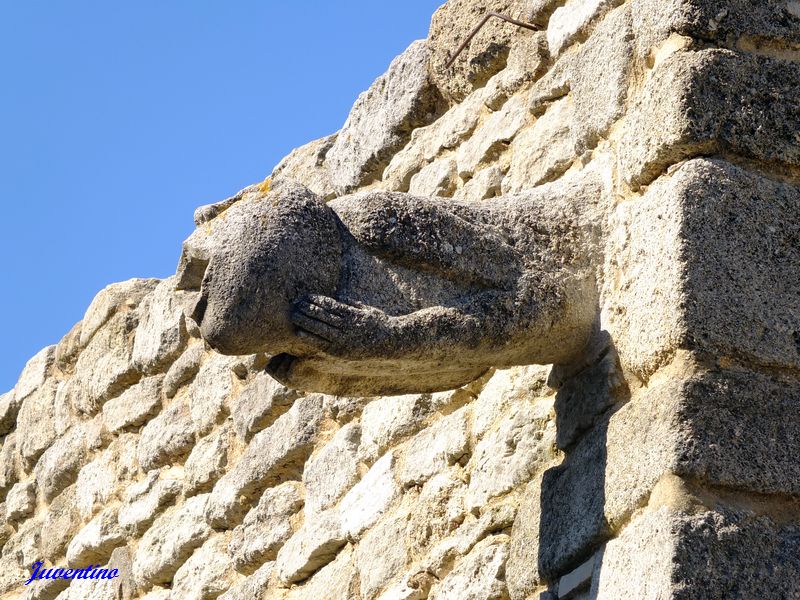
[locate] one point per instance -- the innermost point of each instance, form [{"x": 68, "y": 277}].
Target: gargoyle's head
[{"x": 253, "y": 260}]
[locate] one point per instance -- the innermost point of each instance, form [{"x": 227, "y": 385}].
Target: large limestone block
[
  {"x": 371, "y": 497},
  {"x": 9, "y": 463},
  {"x": 161, "y": 335},
  {"x": 568, "y": 22},
  {"x": 95, "y": 542},
  {"x": 381, "y": 555},
  {"x": 9, "y": 407},
  {"x": 184, "y": 369},
  {"x": 382, "y": 119},
  {"x": 719, "y": 553},
  {"x": 144, "y": 500},
  {"x": 209, "y": 392},
  {"x": 726, "y": 428},
  {"x": 61, "y": 522},
  {"x": 99, "y": 480},
  {"x": 35, "y": 372},
  {"x": 712, "y": 101},
  {"x": 487, "y": 52},
  {"x": 20, "y": 501},
  {"x": 386, "y": 421},
  {"x": 170, "y": 541},
  {"x": 274, "y": 455},
  {"x": 707, "y": 262},
  {"x": 208, "y": 460},
  {"x": 259, "y": 404}
]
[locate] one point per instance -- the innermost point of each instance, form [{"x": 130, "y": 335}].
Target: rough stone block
[
  {"x": 730, "y": 102},
  {"x": 435, "y": 179},
  {"x": 266, "y": 527},
  {"x": 313, "y": 546},
  {"x": 381, "y": 555},
  {"x": 769, "y": 25},
  {"x": 251, "y": 587},
  {"x": 61, "y": 522},
  {"x": 259, "y": 404},
  {"x": 35, "y": 428},
  {"x": 478, "y": 576},
  {"x": 208, "y": 460},
  {"x": 183, "y": 370},
  {"x": 118, "y": 297},
  {"x": 275, "y": 454},
  {"x": 144, "y": 500},
  {"x": 95, "y": 541},
  {"x": 508, "y": 457},
  {"x": 21, "y": 501},
  {"x": 333, "y": 470},
  {"x": 384, "y": 422},
  {"x": 719, "y": 553},
  {"x": 306, "y": 165},
  {"x": 444, "y": 443},
  {"x": 707, "y": 262},
  {"x": 161, "y": 335},
  {"x": 363, "y": 505},
  {"x": 35, "y": 372},
  {"x": 209, "y": 391},
  {"x": 570, "y": 21},
  {"x": 134, "y": 406},
  {"x": 167, "y": 437},
  {"x": 170, "y": 541},
  {"x": 206, "y": 574},
  {"x": 98, "y": 481},
  {"x": 382, "y": 119},
  {"x": 9, "y": 407}
]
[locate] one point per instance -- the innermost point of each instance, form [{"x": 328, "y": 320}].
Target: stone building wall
[{"x": 665, "y": 467}]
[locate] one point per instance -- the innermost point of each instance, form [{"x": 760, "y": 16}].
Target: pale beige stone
[
  {"x": 332, "y": 471},
  {"x": 206, "y": 574},
  {"x": 96, "y": 540},
  {"x": 161, "y": 335},
  {"x": 20, "y": 501},
  {"x": 134, "y": 406},
  {"x": 370, "y": 497},
  {"x": 313, "y": 546}
]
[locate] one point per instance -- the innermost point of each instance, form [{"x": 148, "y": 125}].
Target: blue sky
[{"x": 117, "y": 119}]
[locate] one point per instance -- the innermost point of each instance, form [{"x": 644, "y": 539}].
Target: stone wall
[{"x": 665, "y": 467}]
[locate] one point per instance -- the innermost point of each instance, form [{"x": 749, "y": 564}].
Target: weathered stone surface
[
  {"x": 99, "y": 480},
  {"x": 436, "y": 179},
  {"x": 333, "y": 470},
  {"x": 9, "y": 473},
  {"x": 382, "y": 119},
  {"x": 306, "y": 165},
  {"x": 143, "y": 500},
  {"x": 121, "y": 587},
  {"x": 105, "y": 367},
  {"x": 679, "y": 289},
  {"x": 206, "y": 574},
  {"x": 502, "y": 391},
  {"x": 573, "y": 19},
  {"x": 444, "y": 443},
  {"x": 492, "y": 138},
  {"x": 600, "y": 77},
  {"x": 161, "y": 335},
  {"x": 726, "y": 553},
  {"x": 338, "y": 580},
  {"x": 208, "y": 460},
  {"x": 117, "y": 297},
  {"x": 446, "y": 133},
  {"x": 95, "y": 542},
  {"x": 511, "y": 455},
  {"x": 526, "y": 60},
  {"x": 167, "y": 437},
  {"x": 487, "y": 52},
  {"x": 134, "y": 406},
  {"x": 24, "y": 547},
  {"x": 259, "y": 404},
  {"x": 63, "y": 414},
  {"x": 544, "y": 151},
  {"x": 209, "y": 391},
  {"x": 484, "y": 184},
  {"x": 60, "y": 523},
  {"x": 313, "y": 546},
  {"x": 35, "y": 430},
  {"x": 276, "y": 454},
  {"x": 370, "y": 497},
  {"x": 385, "y": 422},
  {"x": 438, "y": 512},
  {"x": 35, "y": 373},
  {"x": 731, "y": 102},
  {"x": 381, "y": 554},
  {"x": 767, "y": 26},
  {"x": 170, "y": 541},
  {"x": 266, "y": 527},
  {"x": 20, "y": 501},
  {"x": 9, "y": 407},
  {"x": 11, "y": 573},
  {"x": 183, "y": 370},
  {"x": 479, "y": 576},
  {"x": 252, "y": 586}
]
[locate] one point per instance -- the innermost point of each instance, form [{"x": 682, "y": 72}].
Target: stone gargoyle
[{"x": 380, "y": 293}]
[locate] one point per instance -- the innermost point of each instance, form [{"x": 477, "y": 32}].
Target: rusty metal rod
[{"x": 480, "y": 25}]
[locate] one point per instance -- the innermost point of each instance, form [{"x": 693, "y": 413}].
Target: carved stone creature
[{"x": 382, "y": 293}]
